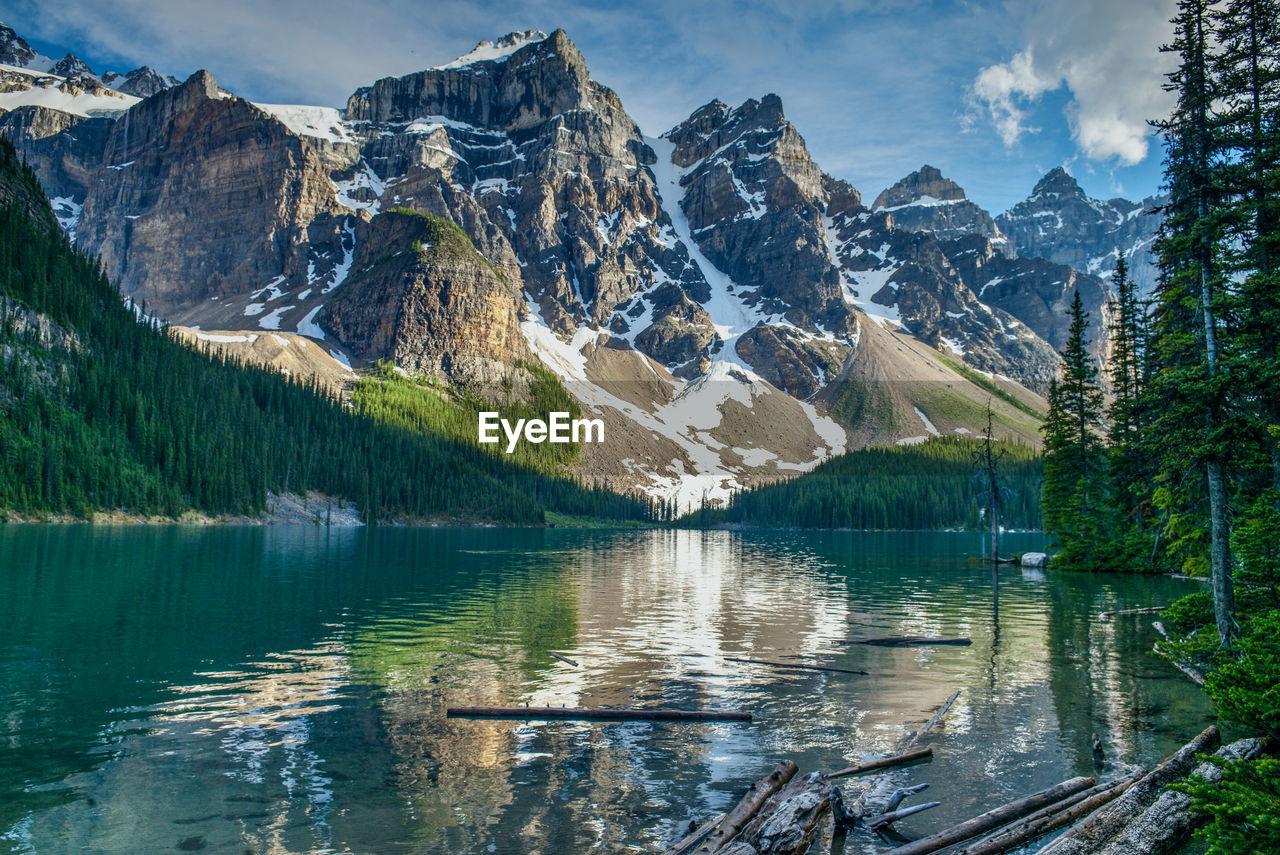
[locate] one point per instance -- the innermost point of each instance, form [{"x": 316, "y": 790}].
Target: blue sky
[{"x": 992, "y": 93}]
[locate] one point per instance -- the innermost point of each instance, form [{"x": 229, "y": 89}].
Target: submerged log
[
  {"x": 1142, "y": 611},
  {"x": 588, "y": 713},
  {"x": 900, "y": 794},
  {"x": 565, "y": 659},
  {"x": 1094, "y": 831},
  {"x": 859, "y": 807},
  {"x": 1051, "y": 818},
  {"x": 747, "y": 807},
  {"x": 884, "y": 763},
  {"x": 909, "y": 641},
  {"x": 994, "y": 818},
  {"x": 796, "y": 666}
]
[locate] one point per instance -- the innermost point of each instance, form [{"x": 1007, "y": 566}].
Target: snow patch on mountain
[
  {"x": 321, "y": 122},
  {"x": 487, "y": 51}
]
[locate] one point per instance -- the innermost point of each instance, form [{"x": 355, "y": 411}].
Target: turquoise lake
[{"x": 282, "y": 690}]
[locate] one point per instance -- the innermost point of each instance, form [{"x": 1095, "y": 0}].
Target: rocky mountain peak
[
  {"x": 927, "y": 201},
  {"x": 496, "y": 51},
  {"x": 1057, "y": 182},
  {"x": 925, "y": 184},
  {"x": 713, "y": 126},
  {"x": 13, "y": 48},
  {"x": 1060, "y": 222},
  {"x": 141, "y": 82},
  {"x": 72, "y": 66},
  {"x": 515, "y": 86}
]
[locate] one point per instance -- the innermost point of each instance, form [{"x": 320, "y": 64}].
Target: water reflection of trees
[{"x": 1103, "y": 677}]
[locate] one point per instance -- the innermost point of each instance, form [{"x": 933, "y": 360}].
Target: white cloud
[{"x": 1105, "y": 53}]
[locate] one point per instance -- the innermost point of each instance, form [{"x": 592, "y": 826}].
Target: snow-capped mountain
[
  {"x": 69, "y": 84},
  {"x": 1060, "y": 222},
  {"x": 732, "y": 312}
]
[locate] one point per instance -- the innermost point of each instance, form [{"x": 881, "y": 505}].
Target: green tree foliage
[
  {"x": 99, "y": 411},
  {"x": 1242, "y": 807},
  {"x": 1074, "y": 460},
  {"x": 925, "y": 486}
]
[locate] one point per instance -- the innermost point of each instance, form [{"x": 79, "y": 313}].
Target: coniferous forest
[
  {"x": 103, "y": 411},
  {"x": 932, "y": 485},
  {"x": 1181, "y": 471}
]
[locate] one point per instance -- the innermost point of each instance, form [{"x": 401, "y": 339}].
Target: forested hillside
[
  {"x": 932, "y": 485},
  {"x": 101, "y": 411}
]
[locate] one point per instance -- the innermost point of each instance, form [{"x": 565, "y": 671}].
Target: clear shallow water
[{"x": 282, "y": 690}]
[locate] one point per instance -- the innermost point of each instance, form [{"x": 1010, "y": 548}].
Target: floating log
[
  {"x": 1051, "y": 818},
  {"x": 588, "y": 713},
  {"x": 797, "y": 666},
  {"x": 748, "y": 805},
  {"x": 1093, "y": 832},
  {"x": 1142, "y": 611},
  {"x": 992, "y": 819},
  {"x": 565, "y": 659},
  {"x": 695, "y": 837},
  {"x": 892, "y": 816},
  {"x": 910, "y": 641},
  {"x": 884, "y": 763}
]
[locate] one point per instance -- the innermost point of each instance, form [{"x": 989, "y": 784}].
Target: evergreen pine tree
[
  {"x": 1073, "y": 453},
  {"x": 1191, "y": 380}
]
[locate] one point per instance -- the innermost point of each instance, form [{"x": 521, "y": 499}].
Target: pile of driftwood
[
  {"x": 1135, "y": 814},
  {"x": 784, "y": 812}
]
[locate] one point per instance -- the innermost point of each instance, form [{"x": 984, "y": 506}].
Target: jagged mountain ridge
[
  {"x": 1058, "y": 221},
  {"x": 735, "y": 312}
]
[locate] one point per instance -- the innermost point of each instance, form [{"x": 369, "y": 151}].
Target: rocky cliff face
[
  {"x": 424, "y": 298},
  {"x": 1059, "y": 222},
  {"x": 926, "y": 201},
  {"x": 735, "y": 314}
]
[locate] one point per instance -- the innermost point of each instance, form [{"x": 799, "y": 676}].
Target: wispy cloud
[{"x": 1105, "y": 54}]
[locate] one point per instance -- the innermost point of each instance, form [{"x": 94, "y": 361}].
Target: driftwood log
[
  {"x": 1095, "y": 831},
  {"x": 1051, "y": 818},
  {"x": 789, "y": 821},
  {"x": 909, "y": 641},
  {"x": 858, "y": 809},
  {"x": 747, "y": 807},
  {"x": 892, "y": 816},
  {"x": 694, "y": 839},
  {"x": 589, "y": 713},
  {"x": 1143, "y": 611},
  {"x": 993, "y": 819},
  {"x": 565, "y": 659},
  {"x": 1193, "y": 673},
  {"x": 1168, "y": 820},
  {"x": 884, "y": 763}
]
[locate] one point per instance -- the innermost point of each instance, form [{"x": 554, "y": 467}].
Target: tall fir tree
[
  {"x": 1074, "y": 461},
  {"x": 1128, "y": 463},
  {"x": 1191, "y": 380},
  {"x": 1246, "y": 73}
]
